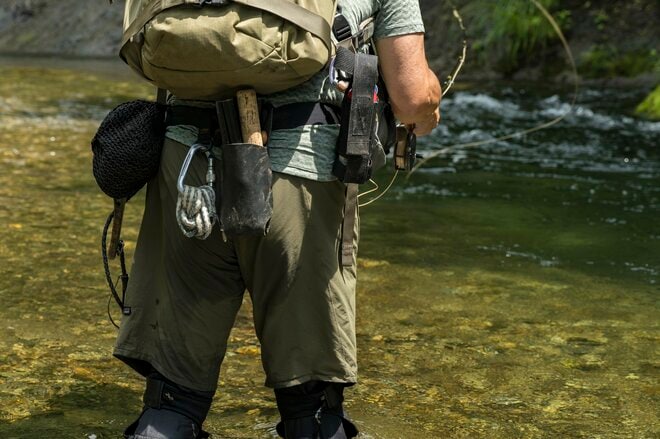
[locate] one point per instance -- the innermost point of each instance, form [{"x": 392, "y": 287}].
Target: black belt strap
[
  {"x": 284, "y": 117},
  {"x": 357, "y": 133},
  {"x": 348, "y": 228},
  {"x": 363, "y": 110},
  {"x": 307, "y": 113},
  {"x": 202, "y": 118}
]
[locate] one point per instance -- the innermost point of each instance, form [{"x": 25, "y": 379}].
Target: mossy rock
[
  {"x": 650, "y": 107},
  {"x": 608, "y": 61}
]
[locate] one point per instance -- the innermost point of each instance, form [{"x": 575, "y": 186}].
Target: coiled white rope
[
  {"x": 195, "y": 211},
  {"x": 195, "y": 206}
]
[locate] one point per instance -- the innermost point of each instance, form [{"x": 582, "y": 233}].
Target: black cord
[
  {"x": 110, "y": 315},
  {"x": 106, "y": 266}
]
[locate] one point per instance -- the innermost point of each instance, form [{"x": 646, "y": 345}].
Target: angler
[{"x": 271, "y": 113}]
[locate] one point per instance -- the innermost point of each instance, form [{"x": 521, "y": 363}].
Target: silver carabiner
[{"x": 186, "y": 164}]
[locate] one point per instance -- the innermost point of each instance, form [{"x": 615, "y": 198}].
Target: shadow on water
[
  {"x": 76, "y": 412},
  {"x": 509, "y": 291}
]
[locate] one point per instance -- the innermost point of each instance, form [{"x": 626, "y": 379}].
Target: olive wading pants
[{"x": 184, "y": 293}]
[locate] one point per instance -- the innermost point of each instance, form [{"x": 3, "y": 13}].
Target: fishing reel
[{"x": 405, "y": 149}]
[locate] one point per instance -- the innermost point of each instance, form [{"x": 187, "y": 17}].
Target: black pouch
[
  {"x": 359, "y": 151},
  {"x": 246, "y": 187},
  {"x": 127, "y": 147}
]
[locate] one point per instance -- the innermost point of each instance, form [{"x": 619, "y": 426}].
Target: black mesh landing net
[{"x": 127, "y": 148}]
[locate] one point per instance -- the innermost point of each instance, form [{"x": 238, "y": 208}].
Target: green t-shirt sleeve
[{"x": 398, "y": 17}]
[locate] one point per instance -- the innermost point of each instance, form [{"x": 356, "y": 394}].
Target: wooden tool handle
[{"x": 248, "y": 111}]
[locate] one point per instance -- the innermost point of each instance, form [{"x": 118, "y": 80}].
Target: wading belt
[{"x": 224, "y": 118}]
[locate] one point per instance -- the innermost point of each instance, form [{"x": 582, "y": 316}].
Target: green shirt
[{"x": 309, "y": 151}]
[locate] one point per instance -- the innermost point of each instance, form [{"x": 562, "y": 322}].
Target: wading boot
[
  {"x": 170, "y": 412},
  {"x": 313, "y": 410}
]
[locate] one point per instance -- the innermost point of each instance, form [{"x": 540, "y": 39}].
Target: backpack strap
[{"x": 285, "y": 9}]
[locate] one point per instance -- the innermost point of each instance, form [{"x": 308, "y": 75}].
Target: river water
[{"x": 506, "y": 291}]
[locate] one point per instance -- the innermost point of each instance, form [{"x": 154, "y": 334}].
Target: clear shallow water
[
  {"x": 506, "y": 291},
  {"x": 586, "y": 189}
]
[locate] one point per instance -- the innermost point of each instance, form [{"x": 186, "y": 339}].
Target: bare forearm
[
  {"x": 414, "y": 89},
  {"x": 424, "y": 114}
]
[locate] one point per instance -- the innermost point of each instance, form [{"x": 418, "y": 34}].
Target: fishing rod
[
  {"x": 443, "y": 150},
  {"x": 446, "y": 86},
  {"x": 542, "y": 126}
]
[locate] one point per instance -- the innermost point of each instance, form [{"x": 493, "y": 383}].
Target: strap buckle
[
  {"x": 344, "y": 36},
  {"x": 341, "y": 29}
]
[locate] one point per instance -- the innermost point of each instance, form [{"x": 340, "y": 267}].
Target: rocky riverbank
[
  {"x": 507, "y": 39},
  {"x": 60, "y": 27}
]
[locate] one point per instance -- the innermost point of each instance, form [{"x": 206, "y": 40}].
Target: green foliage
[
  {"x": 601, "y": 18},
  {"x": 507, "y": 31},
  {"x": 650, "y": 107},
  {"x": 606, "y": 61}
]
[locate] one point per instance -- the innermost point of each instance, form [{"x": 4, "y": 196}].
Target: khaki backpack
[{"x": 208, "y": 49}]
